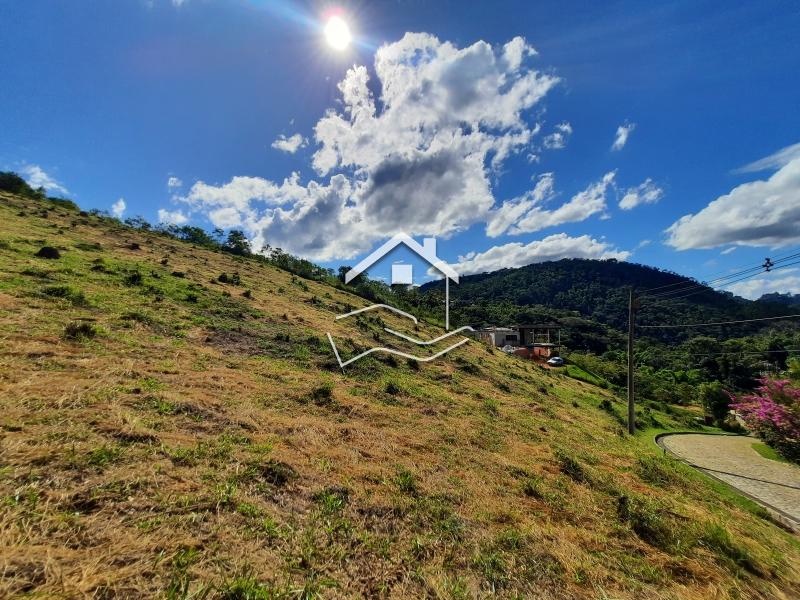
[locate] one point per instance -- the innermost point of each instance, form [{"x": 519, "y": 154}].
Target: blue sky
[{"x": 492, "y": 128}]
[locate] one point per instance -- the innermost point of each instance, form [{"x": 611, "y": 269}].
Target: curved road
[{"x": 732, "y": 459}]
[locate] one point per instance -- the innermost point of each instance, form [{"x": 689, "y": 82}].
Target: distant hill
[
  {"x": 778, "y": 298},
  {"x": 596, "y": 290}
]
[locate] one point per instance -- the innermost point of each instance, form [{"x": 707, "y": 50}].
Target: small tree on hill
[
  {"x": 11, "y": 182},
  {"x": 237, "y": 243},
  {"x": 715, "y": 400}
]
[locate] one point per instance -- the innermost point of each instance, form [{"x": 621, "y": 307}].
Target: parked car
[{"x": 556, "y": 361}]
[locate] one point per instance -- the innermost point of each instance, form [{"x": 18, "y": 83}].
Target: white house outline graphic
[{"x": 426, "y": 251}]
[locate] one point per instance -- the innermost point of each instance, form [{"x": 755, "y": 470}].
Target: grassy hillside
[{"x": 167, "y": 434}]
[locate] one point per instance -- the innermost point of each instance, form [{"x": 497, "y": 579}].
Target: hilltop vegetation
[
  {"x": 589, "y": 299},
  {"x": 597, "y": 290},
  {"x": 175, "y": 425},
  {"x": 778, "y": 298}
]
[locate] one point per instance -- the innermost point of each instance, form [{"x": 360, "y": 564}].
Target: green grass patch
[
  {"x": 768, "y": 452},
  {"x": 576, "y": 372}
]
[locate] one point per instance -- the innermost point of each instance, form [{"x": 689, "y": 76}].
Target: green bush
[
  {"x": 11, "y": 182},
  {"x": 323, "y": 394},
  {"x": 79, "y": 331},
  {"x": 715, "y": 399},
  {"x": 233, "y": 279},
  {"x": 534, "y": 487},
  {"x": 64, "y": 203},
  {"x": 406, "y": 482},
  {"x": 133, "y": 279},
  {"x": 48, "y": 252},
  {"x": 75, "y": 297},
  {"x": 654, "y": 524},
  {"x": 332, "y": 499},
  {"x": 571, "y": 467},
  {"x": 663, "y": 472},
  {"x": 717, "y": 538},
  {"x": 392, "y": 388}
]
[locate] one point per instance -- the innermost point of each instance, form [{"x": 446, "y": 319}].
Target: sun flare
[{"x": 337, "y": 33}]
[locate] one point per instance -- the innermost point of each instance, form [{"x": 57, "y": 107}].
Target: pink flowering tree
[{"x": 773, "y": 414}]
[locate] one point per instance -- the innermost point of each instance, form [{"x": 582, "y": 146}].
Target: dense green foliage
[
  {"x": 714, "y": 399},
  {"x": 13, "y": 183},
  {"x": 598, "y": 290},
  {"x": 589, "y": 300},
  {"x": 778, "y": 298}
]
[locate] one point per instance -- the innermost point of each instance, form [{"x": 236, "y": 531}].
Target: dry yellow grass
[{"x": 191, "y": 449}]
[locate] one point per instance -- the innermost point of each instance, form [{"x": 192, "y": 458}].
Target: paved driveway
[{"x": 732, "y": 459}]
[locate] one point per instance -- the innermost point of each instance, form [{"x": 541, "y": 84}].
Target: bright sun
[{"x": 337, "y": 33}]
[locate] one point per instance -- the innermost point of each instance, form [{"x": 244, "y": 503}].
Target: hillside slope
[
  {"x": 165, "y": 435},
  {"x": 598, "y": 290}
]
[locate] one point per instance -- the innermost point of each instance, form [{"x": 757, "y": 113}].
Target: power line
[
  {"x": 733, "y": 353},
  {"x": 708, "y": 289},
  {"x": 718, "y": 322},
  {"x": 742, "y": 269},
  {"x": 766, "y": 267},
  {"x": 707, "y": 283},
  {"x": 705, "y": 287},
  {"x": 735, "y": 281}
]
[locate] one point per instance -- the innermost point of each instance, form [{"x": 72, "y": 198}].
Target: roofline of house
[{"x": 391, "y": 244}]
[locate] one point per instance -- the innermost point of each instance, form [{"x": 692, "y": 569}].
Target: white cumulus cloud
[
  {"x": 553, "y": 247},
  {"x": 758, "y": 213},
  {"x": 782, "y": 282},
  {"x": 174, "y": 183},
  {"x": 645, "y": 193},
  {"x": 290, "y": 144},
  {"x": 36, "y": 178},
  {"x": 558, "y": 139},
  {"x": 623, "y": 133},
  {"x": 510, "y": 212},
  {"x": 171, "y": 217},
  {"x": 526, "y": 215},
  {"x": 118, "y": 208},
  {"x": 420, "y": 156}
]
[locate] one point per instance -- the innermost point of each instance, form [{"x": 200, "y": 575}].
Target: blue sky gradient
[{"x": 111, "y": 99}]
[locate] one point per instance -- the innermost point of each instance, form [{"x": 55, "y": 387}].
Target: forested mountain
[
  {"x": 598, "y": 290},
  {"x": 778, "y": 298}
]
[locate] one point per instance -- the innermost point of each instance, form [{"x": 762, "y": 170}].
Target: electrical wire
[
  {"x": 742, "y": 269},
  {"x": 752, "y": 272},
  {"x": 727, "y": 284},
  {"x": 717, "y": 322},
  {"x": 735, "y": 353},
  {"x": 706, "y": 287}
]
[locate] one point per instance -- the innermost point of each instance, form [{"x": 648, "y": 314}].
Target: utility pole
[
  {"x": 446, "y": 303},
  {"x": 631, "y": 316}
]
